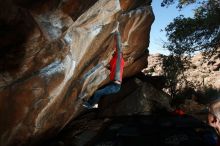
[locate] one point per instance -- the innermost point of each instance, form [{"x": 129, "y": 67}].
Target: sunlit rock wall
[{"x": 53, "y": 53}]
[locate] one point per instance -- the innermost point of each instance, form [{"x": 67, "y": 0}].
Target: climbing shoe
[{"x": 87, "y": 105}]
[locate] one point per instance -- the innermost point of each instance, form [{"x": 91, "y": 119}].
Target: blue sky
[{"x": 163, "y": 16}]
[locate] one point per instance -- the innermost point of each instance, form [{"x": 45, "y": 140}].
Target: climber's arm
[
  {"x": 118, "y": 42},
  {"x": 119, "y": 62}
]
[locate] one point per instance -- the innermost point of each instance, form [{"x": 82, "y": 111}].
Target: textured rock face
[
  {"x": 205, "y": 71},
  {"x": 53, "y": 52},
  {"x": 155, "y": 65},
  {"x": 135, "y": 97},
  {"x": 202, "y": 74}
]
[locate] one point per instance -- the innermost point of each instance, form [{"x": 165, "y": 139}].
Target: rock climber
[{"x": 116, "y": 66}]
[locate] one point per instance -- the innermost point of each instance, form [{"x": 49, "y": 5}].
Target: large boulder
[
  {"x": 53, "y": 53},
  {"x": 135, "y": 97}
]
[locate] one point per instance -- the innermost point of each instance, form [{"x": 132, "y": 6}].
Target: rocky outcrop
[
  {"x": 155, "y": 65},
  {"x": 199, "y": 85},
  {"x": 205, "y": 71},
  {"x": 53, "y": 53},
  {"x": 135, "y": 97},
  {"x": 202, "y": 74}
]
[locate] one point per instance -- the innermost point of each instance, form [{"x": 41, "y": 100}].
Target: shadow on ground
[{"x": 158, "y": 129}]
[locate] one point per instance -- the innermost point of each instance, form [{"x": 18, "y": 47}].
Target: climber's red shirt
[{"x": 113, "y": 66}]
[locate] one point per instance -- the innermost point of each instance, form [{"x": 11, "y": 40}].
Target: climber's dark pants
[{"x": 109, "y": 89}]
